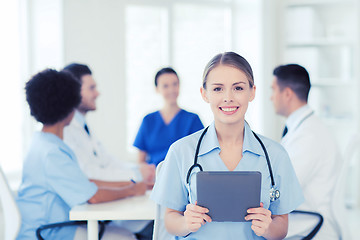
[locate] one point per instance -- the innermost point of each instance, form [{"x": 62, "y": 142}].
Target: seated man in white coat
[
  {"x": 311, "y": 147},
  {"x": 93, "y": 159}
]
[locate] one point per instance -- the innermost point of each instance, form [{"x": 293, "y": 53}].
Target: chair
[
  {"x": 68, "y": 223},
  {"x": 12, "y": 215},
  {"x": 338, "y": 204},
  {"x": 160, "y": 232},
  {"x": 11, "y": 211},
  {"x": 311, "y": 223}
]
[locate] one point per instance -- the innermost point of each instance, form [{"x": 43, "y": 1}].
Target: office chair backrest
[
  {"x": 12, "y": 217},
  {"x": 338, "y": 204},
  {"x": 160, "y": 232}
]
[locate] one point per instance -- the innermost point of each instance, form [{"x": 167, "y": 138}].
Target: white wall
[
  {"x": 94, "y": 35},
  {"x": 273, "y": 124}
]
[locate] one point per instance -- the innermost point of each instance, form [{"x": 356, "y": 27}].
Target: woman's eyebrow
[
  {"x": 241, "y": 82},
  {"x": 221, "y": 84}
]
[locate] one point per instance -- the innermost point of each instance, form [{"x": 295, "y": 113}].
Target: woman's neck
[
  {"x": 170, "y": 108},
  {"x": 230, "y": 134},
  {"x": 56, "y": 129},
  {"x": 168, "y": 112}
]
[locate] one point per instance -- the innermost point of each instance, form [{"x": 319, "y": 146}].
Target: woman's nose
[{"x": 228, "y": 97}]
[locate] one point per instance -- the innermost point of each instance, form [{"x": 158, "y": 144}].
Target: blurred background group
[{"x": 126, "y": 41}]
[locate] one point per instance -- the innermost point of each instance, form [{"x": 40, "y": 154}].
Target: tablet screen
[{"x": 227, "y": 194}]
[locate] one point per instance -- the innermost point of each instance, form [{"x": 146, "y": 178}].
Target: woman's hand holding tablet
[
  {"x": 260, "y": 219},
  {"x": 195, "y": 217}
]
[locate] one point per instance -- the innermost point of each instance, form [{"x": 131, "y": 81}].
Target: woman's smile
[{"x": 229, "y": 110}]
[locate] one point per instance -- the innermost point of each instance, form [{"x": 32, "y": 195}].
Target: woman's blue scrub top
[
  {"x": 155, "y": 137},
  {"x": 170, "y": 187},
  {"x": 52, "y": 184}
]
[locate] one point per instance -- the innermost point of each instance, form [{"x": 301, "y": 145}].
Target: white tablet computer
[{"x": 227, "y": 194}]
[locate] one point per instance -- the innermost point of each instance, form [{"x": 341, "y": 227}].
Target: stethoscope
[{"x": 274, "y": 193}]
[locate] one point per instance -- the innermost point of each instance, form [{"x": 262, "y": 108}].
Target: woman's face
[
  {"x": 168, "y": 87},
  {"x": 229, "y": 93}
]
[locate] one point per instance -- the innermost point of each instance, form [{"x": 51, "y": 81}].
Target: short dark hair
[
  {"x": 52, "y": 95},
  {"x": 294, "y": 77},
  {"x": 78, "y": 70},
  {"x": 163, "y": 71}
]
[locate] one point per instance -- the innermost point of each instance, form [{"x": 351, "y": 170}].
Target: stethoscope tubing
[
  {"x": 195, "y": 164},
  {"x": 196, "y": 156}
]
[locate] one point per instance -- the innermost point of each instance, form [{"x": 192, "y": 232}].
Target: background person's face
[
  {"x": 89, "y": 94},
  {"x": 277, "y": 97},
  {"x": 168, "y": 87}
]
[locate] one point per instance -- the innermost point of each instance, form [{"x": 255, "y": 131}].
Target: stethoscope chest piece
[{"x": 274, "y": 194}]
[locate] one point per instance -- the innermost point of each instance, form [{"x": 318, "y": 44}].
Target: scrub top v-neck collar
[
  {"x": 211, "y": 143},
  {"x": 172, "y": 120}
]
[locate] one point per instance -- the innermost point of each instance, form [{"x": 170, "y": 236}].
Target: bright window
[
  {"x": 182, "y": 35},
  {"x": 33, "y": 42},
  {"x": 11, "y": 91},
  {"x": 146, "y": 47}
]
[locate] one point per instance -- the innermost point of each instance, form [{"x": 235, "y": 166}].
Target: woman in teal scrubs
[
  {"x": 52, "y": 181},
  {"x": 228, "y": 145}
]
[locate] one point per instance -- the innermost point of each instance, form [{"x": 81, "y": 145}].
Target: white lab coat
[
  {"x": 315, "y": 158},
  {"x": 102, "y": 165},
  {"x": 99, "y": 165}
]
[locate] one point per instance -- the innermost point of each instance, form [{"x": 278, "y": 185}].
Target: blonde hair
[{"x": 229, "y": 59}]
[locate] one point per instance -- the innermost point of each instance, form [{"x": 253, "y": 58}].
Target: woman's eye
[
  {"x": 238, "y": 88},
  {"x": 217, "y": 89}
]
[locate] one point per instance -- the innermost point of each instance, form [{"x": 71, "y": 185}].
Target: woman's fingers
[
  {"x": 257, "y": 216},
  {"x": 259, "y": 210},
  {"x": 258, "y": 213},
  {"x": 195, "y": 217},
  {"x": 196, "y": 208},
  {"x": 260, "y": 219},
  {"x": 197, "y": 212}
]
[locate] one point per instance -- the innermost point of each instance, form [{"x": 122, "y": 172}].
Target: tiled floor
[{"x": 354, "y": 224}]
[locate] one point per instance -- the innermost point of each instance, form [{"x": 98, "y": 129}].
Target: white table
[{"x": 132, "y": 208}]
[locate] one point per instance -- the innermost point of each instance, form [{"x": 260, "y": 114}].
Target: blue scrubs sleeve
[
  {"x": 170, "y": 190},
  {"x": 291, "y": 195},
  {"x": 140, "y": 140},
  {"x": 68, "y": 181}
]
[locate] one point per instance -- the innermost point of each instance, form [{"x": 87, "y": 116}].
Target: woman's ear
[
  {"x": 252, "y": 94},
  {"x": 203, "y": 94}
]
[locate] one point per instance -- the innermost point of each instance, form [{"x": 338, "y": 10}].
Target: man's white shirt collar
[
  {"x": 297, "y": 116},
  {"x": 80, "y": 118}
]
